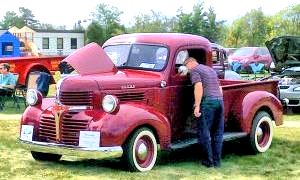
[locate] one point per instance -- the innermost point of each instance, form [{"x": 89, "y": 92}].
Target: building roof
[{"x": 58, "y": 31}]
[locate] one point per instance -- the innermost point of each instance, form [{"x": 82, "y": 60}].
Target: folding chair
[{"x": 11, "y": 95}]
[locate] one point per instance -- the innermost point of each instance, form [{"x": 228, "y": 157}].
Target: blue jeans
[{"x": 210, "y": 130}]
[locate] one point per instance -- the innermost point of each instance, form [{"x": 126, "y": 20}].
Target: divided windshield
[{"x": 140, "y": 56}]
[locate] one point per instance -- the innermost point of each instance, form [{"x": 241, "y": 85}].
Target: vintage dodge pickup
[{"x": 131, "y": 97}]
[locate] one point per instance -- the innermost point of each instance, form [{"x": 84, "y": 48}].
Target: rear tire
[
  {"x": 261, "y": 132},
  {"x": 140, "y": 150},
  {"x": 45, "y": 156}
]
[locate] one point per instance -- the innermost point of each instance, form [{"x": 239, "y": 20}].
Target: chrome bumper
[{"x": 88, "y": 153}]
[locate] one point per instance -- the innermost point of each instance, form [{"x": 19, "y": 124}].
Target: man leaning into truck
[{"x": 209, "y": 111}]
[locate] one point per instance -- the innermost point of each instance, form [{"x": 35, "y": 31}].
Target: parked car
[
  {"x": 285, "y": 51},
  {"x": 251, "y": 59},
  {"x": 128, "y": 97}
]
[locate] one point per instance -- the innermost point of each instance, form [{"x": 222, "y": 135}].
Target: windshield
[
  {"x": 141, "y": 56},
  {"x": 243, "y": 52}
]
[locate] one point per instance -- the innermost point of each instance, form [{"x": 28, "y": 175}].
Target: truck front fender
[
  {"x": 117, "y": 127},
  {"x": 259, "y": 101}
]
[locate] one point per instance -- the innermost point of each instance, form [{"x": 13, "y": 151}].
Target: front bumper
[{"x": 88, "y": 153}]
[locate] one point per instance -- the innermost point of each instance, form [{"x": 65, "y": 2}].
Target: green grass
[{"x": 281, "y": 161}]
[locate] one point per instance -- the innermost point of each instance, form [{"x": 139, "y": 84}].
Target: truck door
[{"x": 181, "y": 106}]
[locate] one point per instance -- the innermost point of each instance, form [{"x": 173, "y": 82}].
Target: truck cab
[{"x": 132, "y": 95}]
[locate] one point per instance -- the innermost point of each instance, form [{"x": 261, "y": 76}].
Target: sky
[{"x": 68, "y": 12}]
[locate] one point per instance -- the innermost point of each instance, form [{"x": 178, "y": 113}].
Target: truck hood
[
  {"x": 125, "y": 79},
  {"x": 285, "y": 51},
  {"x": 91, "y": 59}
]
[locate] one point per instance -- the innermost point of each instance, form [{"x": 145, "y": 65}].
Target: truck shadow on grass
[{"x": 232, "y": 151}]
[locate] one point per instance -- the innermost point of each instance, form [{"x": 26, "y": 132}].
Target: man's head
[
  {"x": 190, "y": 63},
  {"x": 4, "y": 68}
]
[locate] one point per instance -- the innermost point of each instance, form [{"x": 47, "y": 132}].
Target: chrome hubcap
[{"x": 142, "y": 151}]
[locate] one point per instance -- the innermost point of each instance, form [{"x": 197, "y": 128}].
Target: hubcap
[
  {"x": 263, "y": 134},
  {"x": 142, "y": 151}
]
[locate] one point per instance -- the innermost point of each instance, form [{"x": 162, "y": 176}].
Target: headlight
[
  {"x": 109, "y": 103},
  {"x": 33, "y": 97}
]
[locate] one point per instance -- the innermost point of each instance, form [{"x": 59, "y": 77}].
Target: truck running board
[{"x": 228, "y": 136}]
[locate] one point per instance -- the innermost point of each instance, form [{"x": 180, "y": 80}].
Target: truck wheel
[
  {"x": 45, "y": 156},
  {"x": 261, "y": 132},
  {"x": 140, "y": 151}
]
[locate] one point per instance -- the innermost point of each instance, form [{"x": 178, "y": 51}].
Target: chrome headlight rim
[
  {"x": 109, "y": 103},
  {"x": 32, "y": 97}
]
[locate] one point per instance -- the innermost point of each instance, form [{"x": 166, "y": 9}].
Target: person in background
[
  {"x": 209, "y": 111},
  {"x": 7, "y": 80}
]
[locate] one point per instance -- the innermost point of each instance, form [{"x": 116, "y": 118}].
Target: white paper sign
[
  {"x": 27, "y": 132},
  {"x": 89, "y": 139},
  {"x": 147, "y": 65}
]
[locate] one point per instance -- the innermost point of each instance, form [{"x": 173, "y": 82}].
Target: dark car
[
  {"x": 285, "y": 51},
  {"x": 251, "y": 59}
]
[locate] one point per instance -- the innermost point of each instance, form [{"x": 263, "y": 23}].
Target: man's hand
[{"x": 197, "y": 112}]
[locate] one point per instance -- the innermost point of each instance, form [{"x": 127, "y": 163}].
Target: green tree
[
  {"x": 155, "y": 22},
  {"x": 94, "y": 33},
  {"x": 28, "y": 18},
  {"x": 11, "y": 19},
  {"x": 200, "y": 22},
  {"x": 108, "y": 18},
  {"x": 286, "y": 21}
]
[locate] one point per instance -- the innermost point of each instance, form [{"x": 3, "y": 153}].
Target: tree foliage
[
  {"x": 108, "y": 17},
  {"x": 94, "y": 33},
  {"x": 26, "y": 18},
  {"x": 154, "y": 22}
]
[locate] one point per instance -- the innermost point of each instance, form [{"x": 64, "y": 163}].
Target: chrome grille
[
  {"x": 82, "y": 98},
  {"x": 69, "y": 128},
  {"x": 132, "y": 96}
]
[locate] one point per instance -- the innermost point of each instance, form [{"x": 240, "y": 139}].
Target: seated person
[{"x": 7, "y": 80}]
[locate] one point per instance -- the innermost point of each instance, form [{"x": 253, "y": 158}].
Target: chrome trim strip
[{"x": 88, "y": 153}]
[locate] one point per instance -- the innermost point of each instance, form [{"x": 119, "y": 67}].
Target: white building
[
  {"x": 49, "y": 42},
  {"x": 58, "y": 42}
]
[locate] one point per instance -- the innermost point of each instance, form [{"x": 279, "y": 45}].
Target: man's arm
[{"x": 198, "y": 93}]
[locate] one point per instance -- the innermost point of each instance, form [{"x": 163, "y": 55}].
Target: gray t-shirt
[{"x": 209, "y": 79}]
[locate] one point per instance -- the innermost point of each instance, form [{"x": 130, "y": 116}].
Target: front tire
[
  {"x": 261, "y": 132},
  {"x": 140, "y": 150},
  {"x": 45, "y": 156}
]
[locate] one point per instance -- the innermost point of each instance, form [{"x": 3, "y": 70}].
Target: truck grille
[
  {"x": 69, "y": 128},
  {"x": 83, "y": 98},
  {"x": 132, "y": 96}
]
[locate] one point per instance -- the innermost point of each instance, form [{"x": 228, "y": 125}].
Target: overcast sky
[{"x": 68, "y": 12}]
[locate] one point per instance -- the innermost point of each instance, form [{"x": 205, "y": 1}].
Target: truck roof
[{"x": 168, "y": 39}]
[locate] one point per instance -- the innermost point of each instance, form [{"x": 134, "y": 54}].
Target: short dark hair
[{"x": 6, "y": 66}]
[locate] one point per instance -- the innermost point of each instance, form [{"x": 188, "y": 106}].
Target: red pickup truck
[
  {"x": 128, "y": 97},
  {"x": 25, "y": 65}
]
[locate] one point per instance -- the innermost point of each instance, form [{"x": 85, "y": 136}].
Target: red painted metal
[{"x": 24, "y": 65}]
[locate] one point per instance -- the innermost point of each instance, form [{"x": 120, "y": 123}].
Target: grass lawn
[{"x": 281, "y": 161}]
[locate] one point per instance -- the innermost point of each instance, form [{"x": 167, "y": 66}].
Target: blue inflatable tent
[{"x": 9, "y": 45}]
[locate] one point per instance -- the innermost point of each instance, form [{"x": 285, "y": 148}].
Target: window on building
[
  {"x": 45, "y": 43},
  {"x": 60, "y": 43},
  {"x": 7, "y": 48},
  {"x": 73, "y": 43}
]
